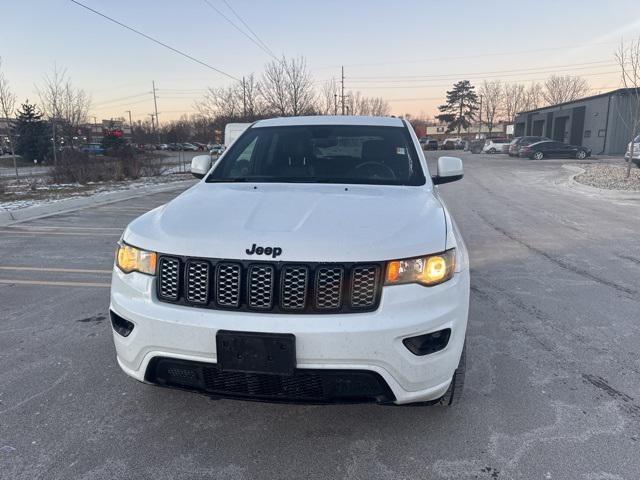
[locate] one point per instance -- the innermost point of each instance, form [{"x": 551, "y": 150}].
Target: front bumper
[{"x": 369, "y": 342}]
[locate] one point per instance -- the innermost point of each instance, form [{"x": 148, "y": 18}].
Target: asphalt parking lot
[{"x": 553, "y": 380}]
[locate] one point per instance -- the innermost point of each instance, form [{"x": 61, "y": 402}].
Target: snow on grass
[{"x": 18, "y": 195}]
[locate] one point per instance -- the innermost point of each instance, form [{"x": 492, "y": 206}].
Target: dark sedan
[
  {"x": 519, "y": 142},
  {"x": 431, "y": 145},
  {"x": 552, "y": 149}
]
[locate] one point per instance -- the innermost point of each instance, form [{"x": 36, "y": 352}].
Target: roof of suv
[{"x": 330, "y": 120}]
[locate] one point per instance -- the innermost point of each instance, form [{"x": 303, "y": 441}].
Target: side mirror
[
  {"x": 449, "y": 170},
  {"x": 200, "y": 165}
]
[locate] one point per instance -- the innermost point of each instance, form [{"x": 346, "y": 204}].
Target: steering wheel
[{"x": 376, "y": 170}]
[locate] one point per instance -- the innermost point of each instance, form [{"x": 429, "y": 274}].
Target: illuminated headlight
[
  {"x": 428, "y": 270},
  {"x": 131, "y": 259}
]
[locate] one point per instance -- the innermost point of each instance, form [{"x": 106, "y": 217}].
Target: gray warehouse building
[{"x": 600, "y": 122}]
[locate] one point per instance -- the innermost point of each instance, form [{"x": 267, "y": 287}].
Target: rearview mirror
[
  {"x": 200, "y": 165},
  {"x": 449, "y": 170}
]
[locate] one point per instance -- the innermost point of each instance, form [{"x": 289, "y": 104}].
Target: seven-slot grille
[{"x": 269, "y": 287}]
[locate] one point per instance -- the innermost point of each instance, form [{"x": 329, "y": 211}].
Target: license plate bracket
[{"x": 256, "y": 352}]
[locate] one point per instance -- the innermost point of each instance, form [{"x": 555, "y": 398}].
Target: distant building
[
  {"x": 439, "y": 132},
  {"x": 94, "y": 132},
  {"x": 600, "y": 122}
]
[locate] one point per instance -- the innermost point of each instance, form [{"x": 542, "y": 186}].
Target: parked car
[
  {"x": 431, "y": 145},
  {"x": 93, "y": 149},
  {"x": 476, "y": 146},
  {"x": 452, "y": 144},
  {"x": 201, "y": 146},
  {"x": 516, "y": 143},
  {"x": 551, "y": 149},
  {"x": 423, "y": 141},
  {"x": 636, "y": 151},
  {"x": 163, "y": 146},
  {"x": 245, "y": 301},
  {"x": 216, "y": 149},
  {"x": 175, "y": 147},
  {"x": 189, "y": 147},
  {"x": 496, "y": 145}
]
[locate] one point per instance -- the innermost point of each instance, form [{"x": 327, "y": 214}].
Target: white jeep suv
[{"x": 315, "y": 262}]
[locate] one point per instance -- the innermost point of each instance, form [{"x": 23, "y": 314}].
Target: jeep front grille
[
  {"x": 169, "y": 278},
  {"x": 276, "y": 287}
]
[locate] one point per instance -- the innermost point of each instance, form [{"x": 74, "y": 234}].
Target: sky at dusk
[{"x": 409, "y": 52}]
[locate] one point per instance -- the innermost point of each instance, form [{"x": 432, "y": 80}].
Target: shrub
[{"x": 75, "y": 166}]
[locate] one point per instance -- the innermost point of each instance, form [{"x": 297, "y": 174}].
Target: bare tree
[
  {"x": 628, "y": 58},
  {"x": 7, "y": 108},
  {"x": 220, "y": 102},
  {"x": 240, "y": 100},
  {"x": 513, "y": 100},
  {"x": 65, "y": 105},
  {"x": 379, "y": 107},
  {"x": 491, "y": 101},
  {"x": 564, "y": 88},
  {"x": 533, "y": 97},
  {"x": 287, "y": 87},
  {"x": 273, "y": 87},
  {"x": 302, "y": 97},
  {"x": 328, "y": 101},
  {"x": 253, "y": 103}
]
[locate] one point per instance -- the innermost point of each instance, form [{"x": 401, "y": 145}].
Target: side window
[{"x": 243, "y": 164}]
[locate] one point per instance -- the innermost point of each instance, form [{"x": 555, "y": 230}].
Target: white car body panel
[
  {"x": 310, "y": 223},
  {"x": 232, "y": 131}
]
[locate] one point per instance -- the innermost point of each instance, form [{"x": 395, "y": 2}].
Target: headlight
[
  {"x": 428, "y": 270},
  {"x": 131, "y": 259}
]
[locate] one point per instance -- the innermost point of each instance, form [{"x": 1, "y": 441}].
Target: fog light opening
[
  {"x": 428, "y": 343},
  {"x": 120, "y": 325}
]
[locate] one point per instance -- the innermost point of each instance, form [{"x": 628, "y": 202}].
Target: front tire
[
  {"x": 453, "y": 394},
  {"x": 538, "y": 156},
  {"x": 581, "y": 154},
  {"x": 491, "y": 150}
]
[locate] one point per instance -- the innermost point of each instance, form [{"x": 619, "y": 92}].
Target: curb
[
  {"x": 573, "y": 184},
  {"x": 9, "y": 217}
]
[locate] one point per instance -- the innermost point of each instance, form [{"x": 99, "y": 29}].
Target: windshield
[{"x": 322, "y": 154}]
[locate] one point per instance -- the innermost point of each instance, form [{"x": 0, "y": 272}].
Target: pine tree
[
  {"x": 32, "y": 133},
  {"x": 462, "y": 103}
]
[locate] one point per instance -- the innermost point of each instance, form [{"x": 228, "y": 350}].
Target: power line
[
  {"x": 420, "y": 77},
  {"x": 247, "y": 27},
  {"x": 471, "y": 78},
  {"x": 266, "y": 50},
  {"x": 113, "y": 107},
  {"x": 179, "y": 52},
  {"x": 103, "y": 102},
  {"x": 463, "y": 57}
]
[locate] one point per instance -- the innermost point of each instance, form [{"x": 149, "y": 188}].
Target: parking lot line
[
  {"x": 9, "y": 281},
  {"x": 13, "y": 233},
  {"x": 48, "y": 269},
  {"x": 59, "y": 227}
]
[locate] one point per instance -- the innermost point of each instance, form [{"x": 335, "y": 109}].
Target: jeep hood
[{"x": 309, "y": 222}]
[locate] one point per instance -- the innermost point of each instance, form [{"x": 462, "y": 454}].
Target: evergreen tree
[
  {"x": 462, "y": 103},
  {"x": 32, "y": 133}
]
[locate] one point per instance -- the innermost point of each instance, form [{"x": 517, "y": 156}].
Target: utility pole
[
  {"x": 130, "y": 125},
  {"x": 244, "y": 100},
  {"x": 335, "y": 104},
  {"x": 153, "y": 126},
  {"x": 342, "y": 90},
  {"x": 155, "y": 104}
]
